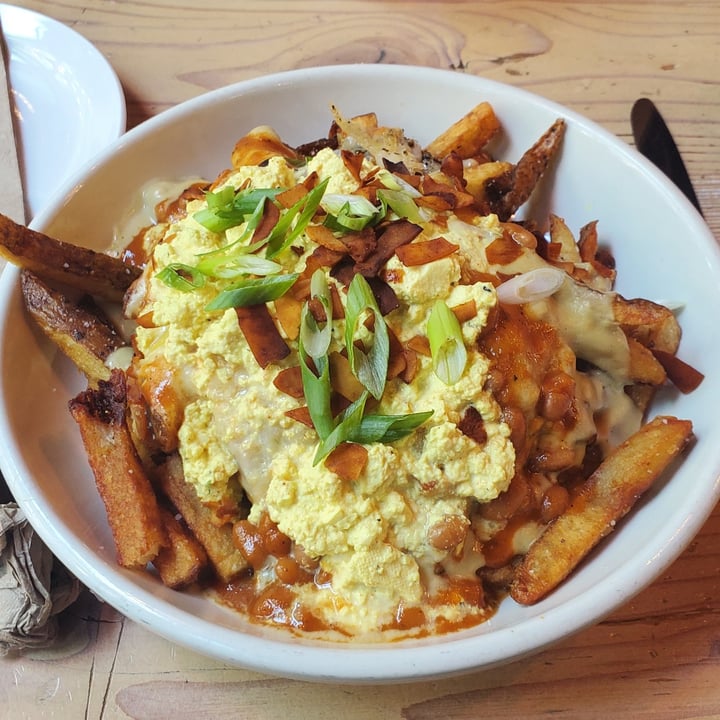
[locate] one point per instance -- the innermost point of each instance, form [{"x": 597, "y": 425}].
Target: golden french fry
[
  {"x": 217, "y": 540},
  {"x": 507, "y": 192},
  {"x": 81, "y": 331},
  {"x": 182, "y": 560},
  {"x": 476, "y": 176},
  {"x": 141, "y": 429},
  {"x": 55, "y": 261},
  {"x": 608, "y": 494},
  {"x": 653, "y": 325},
  {"x": 469, "y": 135},
  {"x": 644, "y": 366},
  {"x": 130, "y": 502}
]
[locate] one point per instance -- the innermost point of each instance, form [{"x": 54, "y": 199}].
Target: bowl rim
[{"x": 407, "y": 661}]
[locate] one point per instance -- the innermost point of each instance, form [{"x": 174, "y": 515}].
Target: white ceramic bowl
[{"x": 664, "y": 251}]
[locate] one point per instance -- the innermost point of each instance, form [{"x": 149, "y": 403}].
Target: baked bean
[
  {"x": 249, "y": 541},
  {"x": 287, "y": 570},
  {"x": 409, "y": 617},
  {"x": 554, "y": 503},
  {"x": 521, "y": 235},
  {"x": 305, "y": 561},
  {"x": 553, "y": 459},
  {"x": 276, "y": 542},
  {"x": 515, "y": 419},
  {"x": 557, "y": 395},
  {"x": 516, "y": 498}
]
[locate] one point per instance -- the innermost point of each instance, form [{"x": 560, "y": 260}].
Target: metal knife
[{"x": 654, "y": 140}]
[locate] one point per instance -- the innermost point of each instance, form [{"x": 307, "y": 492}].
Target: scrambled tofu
[
  {"x": 372, "y": 535},
  {"x": 386, "y": 388}
]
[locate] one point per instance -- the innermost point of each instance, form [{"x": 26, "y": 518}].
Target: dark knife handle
[{"x": 655, "y": 141}]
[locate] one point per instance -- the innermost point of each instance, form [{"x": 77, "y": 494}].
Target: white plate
[
  {"x": 68, "y": 102},
  {"x": 663, "y": 251}
]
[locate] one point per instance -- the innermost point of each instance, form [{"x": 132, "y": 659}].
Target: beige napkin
[{"x": 34, "y": 586}]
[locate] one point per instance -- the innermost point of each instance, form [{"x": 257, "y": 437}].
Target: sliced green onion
[
  {"x": 402, "y": 205},
  {"x": 357, "y": 205},
  {"x": 217, "y": 263},
  {"x": 348, "y": 423},
  {"x": 181, "y": 277},
  {"x": 317, "y": 391},
  {"x": 282, "y": 236},
  {"x": 393, "y": 182},
  {"x": 447, "y": 347},
  {"x": 226, "y": 208},
  {"x": 388, "y": 428},
  {"x": 369, "y": 368},
  {"x": 350, "y": 212},
  {"x": 316, "y": 339},
  {"x": 242, "y": 264},
  {"x": 252, "y": 291}
]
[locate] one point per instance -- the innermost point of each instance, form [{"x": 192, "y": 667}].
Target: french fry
[
  {"x": 476, "y": 176},
  {"x": 469, "y": 135},
  {"x": 507, "y": 192},
  {"x": 607, "y": 496},
  {"x": 130, "y": 502},
  {"x": 683, "y": 376},
  {"x": 82, "y": 332},
  {"x": 651, "y": 324},
  {"x": 217, "y": 540},
  {"x": 182, "y": 560},
  {"x": 644, "y": 366},
  {"x": 92, "y": 272}
]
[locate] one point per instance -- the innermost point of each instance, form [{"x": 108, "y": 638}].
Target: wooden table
[{"x": 657, "y": 657}]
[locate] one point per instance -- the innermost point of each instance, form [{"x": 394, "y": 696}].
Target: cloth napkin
[{"x": 34, "y": 586}]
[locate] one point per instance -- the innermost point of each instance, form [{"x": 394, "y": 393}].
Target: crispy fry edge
[{"x": 607, "y": 496}]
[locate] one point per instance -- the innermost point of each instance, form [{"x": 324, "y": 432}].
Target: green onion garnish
[
  {"x": 388, "y": 428},
  {"x": 316, "y": 339},
  {"x": 239, "y": 265},
  {"x": 317, "y": 391},
  {"x": 252, "y": 291},
  {"x": 350, "y": 212},
  {"x": 348, "y": 423},
  {"x": 181, "y": 277},
  {"x": 401, "y": 204},
  {"x": 282, "y": 236},
  {"x": 226, "y": 208},
  {"x": 447, "y": 346},
  {"x": 369, "y": 368}
]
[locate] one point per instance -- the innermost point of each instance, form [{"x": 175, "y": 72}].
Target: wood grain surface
[{"x": 658, "y": 656}]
